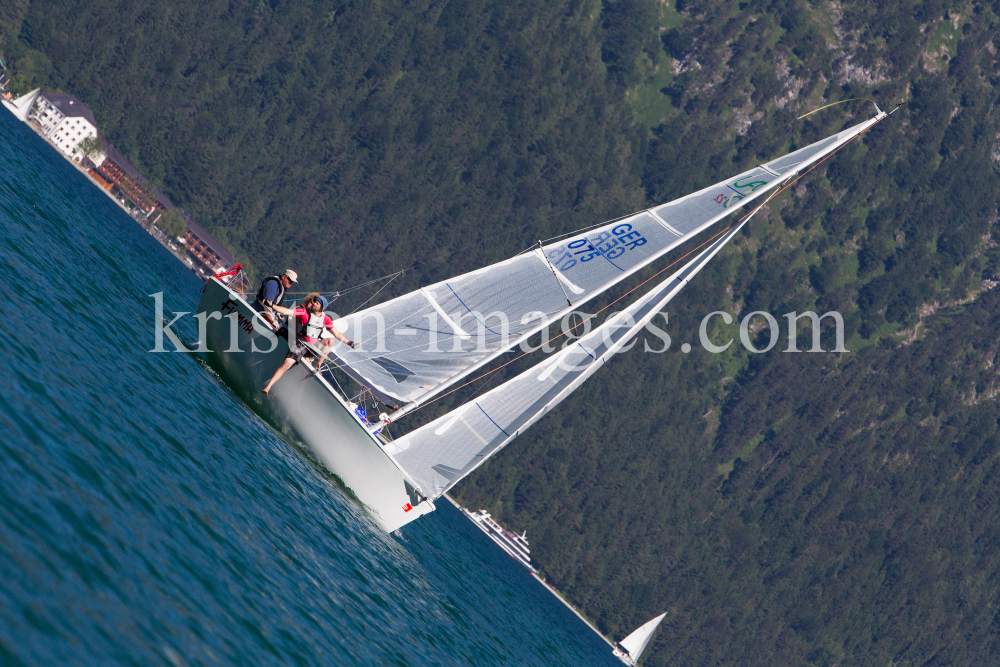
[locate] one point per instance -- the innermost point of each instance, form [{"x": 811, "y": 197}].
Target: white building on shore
[{"x": 66, "y": 121}]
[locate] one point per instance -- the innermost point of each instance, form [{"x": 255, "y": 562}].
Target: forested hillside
[
  {"x": 350, "y": 139},
  {"x": 784, "y": 508}
]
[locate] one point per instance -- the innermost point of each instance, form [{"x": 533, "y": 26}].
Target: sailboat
[
  {"x": 418, "y": 346},
  {"x": 630, "y": 648},
  {"x": 22, "y": 106}
]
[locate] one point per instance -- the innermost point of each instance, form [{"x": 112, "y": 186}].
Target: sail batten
[
  {"x": 444, "y": 332},
  {"x": 664, "y": 223},
  {"x": 444, "y": 316}
]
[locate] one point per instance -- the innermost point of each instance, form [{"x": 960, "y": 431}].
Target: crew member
[
  {"x": 272, "y": 293},
  {"x": 310, "y": 321}
]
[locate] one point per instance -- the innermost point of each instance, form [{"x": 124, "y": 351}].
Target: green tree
[
  {"x": 90, "y": 146},
  {"x": 786, "y": 509},
  {"x": 171, "y": 223},
  {"x": 17, "y": 86}
]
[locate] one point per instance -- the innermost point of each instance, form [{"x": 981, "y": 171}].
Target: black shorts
[{"x": 297, "y": 351}]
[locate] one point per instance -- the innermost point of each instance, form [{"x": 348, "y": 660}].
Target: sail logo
[
  {"x": 739, "y": 191},
  {"x": 608, "y": 244}
]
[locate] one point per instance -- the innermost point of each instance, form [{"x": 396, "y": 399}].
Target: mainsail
[
  {"x": 636, "y": 642},
  {"x": 438, "y": 455},
  {"x": 417, "y": 345}
]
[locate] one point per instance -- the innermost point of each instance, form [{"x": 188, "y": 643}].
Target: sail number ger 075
[{"x": 608, "y": 244}]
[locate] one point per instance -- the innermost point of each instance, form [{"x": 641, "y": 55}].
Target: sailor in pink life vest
[{"x": 310, "y": 322}]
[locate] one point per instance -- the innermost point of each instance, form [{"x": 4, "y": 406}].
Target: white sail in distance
[
  {"x": 415, "y": 346},
  {"x": 438, "y": 455},
  {"x": 636, "y": 642}
]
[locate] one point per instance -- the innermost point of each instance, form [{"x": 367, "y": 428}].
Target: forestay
[
  {"x": 416, "y": 345},
  {"x": 436, "y": 456}
]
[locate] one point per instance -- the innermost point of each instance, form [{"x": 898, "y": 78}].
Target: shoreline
[
  {"x": 160, "y": 237},
  {"x": 553, "y": 590}
]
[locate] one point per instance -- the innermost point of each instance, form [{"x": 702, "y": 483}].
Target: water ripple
[{"x": 147, "y": 517}]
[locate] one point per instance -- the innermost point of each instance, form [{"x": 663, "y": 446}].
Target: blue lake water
[{"x": 147, "y": 517}]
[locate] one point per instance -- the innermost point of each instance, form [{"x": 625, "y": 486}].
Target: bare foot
[{"x": 264, "y": 391}]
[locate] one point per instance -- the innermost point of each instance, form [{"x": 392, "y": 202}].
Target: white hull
[
  {"x": 624, "y": 657},
  {"x": 307, "y": 410}
]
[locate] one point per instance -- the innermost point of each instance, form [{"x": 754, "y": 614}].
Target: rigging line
[
  {"x": 396, "y": 275},
  {"x": 360, "y": 286},
  {"x": 667, "y": 171},
  {"x": 559, "y": 335},
  {"x": 484, "y": 387},
  {"x": 483, "y": 274},
  {"x": 772, "y": 196},
  {"x": 572, "y": 208},
  {"x": 427, "y": 308},
  {"x": 597, "y": 224},
  {"x": 355, "y": 288},
  {"x": 778, "y": 191},
  {"x": 853, "y": 99},
  {"x": 827, "y": 157},
  {"x": 333, "y": 377},
  {"x": 374, "y": 280},
  {"x": 554, "y": 274}
]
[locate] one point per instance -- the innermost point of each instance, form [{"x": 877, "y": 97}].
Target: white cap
[{"x": 294, "y": 277}]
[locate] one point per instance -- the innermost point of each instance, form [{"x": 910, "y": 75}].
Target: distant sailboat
[
  {"x": 630, "y": 648},
  {"x": 22, "y": 106},
  {"x": 418, "y": 346}
]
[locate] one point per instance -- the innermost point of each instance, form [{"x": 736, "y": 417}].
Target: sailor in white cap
[{"x": 272, "y": 293}]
